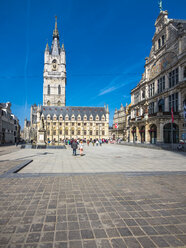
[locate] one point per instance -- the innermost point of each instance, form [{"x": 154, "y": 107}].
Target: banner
[{"x": 184, "y": 110}]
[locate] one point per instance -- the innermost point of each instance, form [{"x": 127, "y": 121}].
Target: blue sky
[{"x": 106, "y": 43}]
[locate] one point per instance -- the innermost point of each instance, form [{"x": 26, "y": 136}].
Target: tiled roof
[{"x": 94, "y": 111}]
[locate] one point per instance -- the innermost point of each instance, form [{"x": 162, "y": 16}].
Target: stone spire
[
  {"x": 55, "y": 42},
  {"x": 47, "y": 47},
  {"x": 55, "y": 32},
  {"x": 107, "y": 109}
]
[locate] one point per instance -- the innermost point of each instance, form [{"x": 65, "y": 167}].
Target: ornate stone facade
[
  {"x": 58, "y": 120},
  {"x": 162, "y": 87}
]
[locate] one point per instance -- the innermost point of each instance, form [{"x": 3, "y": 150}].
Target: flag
[
  {"x": 116, "y": 125},
  {"x": 172, "y": 115}
]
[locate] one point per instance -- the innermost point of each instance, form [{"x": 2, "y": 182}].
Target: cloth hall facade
[{"x": 58, "y": 120}]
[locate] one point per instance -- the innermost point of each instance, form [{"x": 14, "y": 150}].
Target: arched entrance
[
  {"x": 153, "y": 134},
  {"x": 134, "y": 134},
  {"x": 171, "y": 131},
  {"x": 142, "y": 134}
]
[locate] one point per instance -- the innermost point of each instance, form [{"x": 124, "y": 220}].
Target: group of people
[
  {"x": 75, "y": 145},
  {"x": 79, "y": 144}
]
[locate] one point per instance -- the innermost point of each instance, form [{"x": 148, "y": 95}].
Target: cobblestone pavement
[{"x": 93, "y": 211}]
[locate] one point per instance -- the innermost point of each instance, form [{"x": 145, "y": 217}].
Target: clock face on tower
[{"x": 54, "y": 65}]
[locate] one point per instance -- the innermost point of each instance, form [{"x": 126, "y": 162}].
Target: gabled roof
[{"x": 53, "y": 110}]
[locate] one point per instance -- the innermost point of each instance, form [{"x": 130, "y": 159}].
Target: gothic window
[
  {"x": 59, "y": 103},
  {"x": 48, "y": 103},
  {"x": 48, "y": 90},
  {"x": 59, "y": 90},
  {"x": 85, "y": 117},
  {"x": 91, "y": 118},
  {"x": 66, "y": 117}
]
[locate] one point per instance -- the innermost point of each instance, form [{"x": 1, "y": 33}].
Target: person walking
[
  {"x": 81, "y": 148},
  {"x": 97, "y": 142},
  {"x": 74, "y": 146}
]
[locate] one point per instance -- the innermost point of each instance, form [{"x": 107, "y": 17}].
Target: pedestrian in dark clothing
[{"x": 74, "y": 146}]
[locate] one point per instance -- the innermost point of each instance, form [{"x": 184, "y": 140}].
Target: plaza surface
[
  {"x": 95, "y": 210},
  {"x": 104, "y": 159}
]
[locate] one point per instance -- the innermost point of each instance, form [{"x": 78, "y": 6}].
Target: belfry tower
[{"x": 54, "y": 74}]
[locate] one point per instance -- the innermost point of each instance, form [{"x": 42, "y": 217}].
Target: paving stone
[
  {"x": 124, "y": 232},
  {"x": 137, "y": 231},
  {"x": 103, "y": 243},
  {"x": 50, "y": 226},
  {"x": 182, "y": 238},
  {"x": 159, "y": 241},
  {"x": 36, "y": 227},
  {"x": 22, "y": 228},
  {"x": 4, "y": 239},
  {"x": 33, "y": 238},
  {"x": 149, "y": 230},
  {"x": 47, "y": 236},
  {"x": 60, "y": 245},
  {"x": 73, "y": 235},
  {"x": 173, "y": 241},
  {"x": 75, "y": 244},
  {"x": 146, "y": 242},
  {"x": 100, "y": 233},
  {"x": 112, "y": 232},
  {"x": 61, "y": 236},
  {"x": 87, "y": 234},
  {"x": 18, "y": 238},
  {"x": 118, "y": 243},
  {"x": 132, "y": 243},
  {"x": 89, "y": 244}
]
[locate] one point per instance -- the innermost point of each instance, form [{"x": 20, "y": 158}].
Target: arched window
[
  {"x": 59, "y": 90},
  {"x": 48, "y": 103},
  {"x": 48, "y": 90},
  {"x": 59, "y": 103}
]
